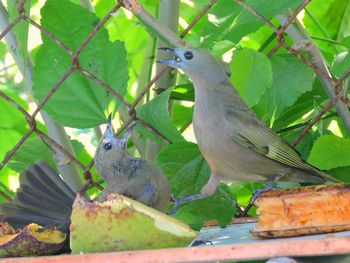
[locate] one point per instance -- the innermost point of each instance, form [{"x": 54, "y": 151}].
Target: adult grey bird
[
  {"x": 237, "y": 145},
  {"x": 44, "y": 198}
]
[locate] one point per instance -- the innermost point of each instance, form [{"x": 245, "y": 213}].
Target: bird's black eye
[
  {"x": 107, "y": 146},
  {"x": 188, "y": 55}
]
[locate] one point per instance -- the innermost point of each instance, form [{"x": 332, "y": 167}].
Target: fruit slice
[
  {"x": 121, "y": 223},
  {"x": 303, "y": 211},
  {"x": 32, "y": 240}
]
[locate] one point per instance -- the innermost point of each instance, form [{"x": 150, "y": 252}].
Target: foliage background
[{"x": 281, "y": 89}]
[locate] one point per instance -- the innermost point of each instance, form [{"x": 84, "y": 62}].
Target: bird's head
[
  {"x": 195, "y": 62},
  {"x": 110, "y": 148}
]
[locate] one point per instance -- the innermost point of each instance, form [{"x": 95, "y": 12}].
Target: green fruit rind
[{"x": 121, "y": 223}]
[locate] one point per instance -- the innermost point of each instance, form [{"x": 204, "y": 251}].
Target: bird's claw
[
  {"x": 177, "y": 203},
  {"x": 180, "y": 201},
  {"x": 268, "y": 186}
]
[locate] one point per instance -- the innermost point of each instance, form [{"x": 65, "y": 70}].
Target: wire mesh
[{"x": 75, "y": 66}]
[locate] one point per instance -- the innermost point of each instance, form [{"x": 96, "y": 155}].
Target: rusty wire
[{"x": 30, "y": 118}]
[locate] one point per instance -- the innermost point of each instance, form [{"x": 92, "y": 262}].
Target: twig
[
  {"x": 257, "y": 14},
  {"x": 197, "y": 18},
  {"x": 315, "y": 120}
]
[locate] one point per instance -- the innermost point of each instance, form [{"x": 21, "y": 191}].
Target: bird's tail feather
[{"x": 42, "y": 198}]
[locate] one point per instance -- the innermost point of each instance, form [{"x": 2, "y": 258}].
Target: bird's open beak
[
  {"x": 175, "y": 62},
  {"x": 109, "y": 129}
]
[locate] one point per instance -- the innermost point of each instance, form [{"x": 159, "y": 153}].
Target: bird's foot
[
  {"x": 197, "y": 243},
  {"x": 268, "y": 186},
  {"x": 180, "y": 201}
]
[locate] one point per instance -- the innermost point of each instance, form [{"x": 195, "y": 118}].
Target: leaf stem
[
  {"x": 326, "y": 40},
  {"x": 317, "y": 23}
]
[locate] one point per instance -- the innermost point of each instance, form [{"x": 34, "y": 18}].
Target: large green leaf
[
  {"x": 341, "y": 64},
  {"x": 188, "y": 172},
  {"x": 330, "y": 151},
  {"x": 291, "y": 78},
  {"x": 79, "y": 102},
  {"x": 251, "y": 74},
  {"x": 155, "y": 113}
]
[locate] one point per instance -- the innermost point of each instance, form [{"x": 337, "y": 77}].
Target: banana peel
[
  {"x": 32, "y": 240},
  {"x": 120, "y": 224}
]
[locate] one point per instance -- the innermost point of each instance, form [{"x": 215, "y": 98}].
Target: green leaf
[
  {"x": 32, "y": 150},
  {"x": 182, "y": 115},
  {"x": 220, "y": 206},
  {"x": 344, "y": 27},
  {"x": 79, "y": 102},
  {"x": 291, "y": 78},
  {"x": 3, "y": 50},
  {"x": 341, "y": 64},
  {"x": 155, "y": 113},
  {"x": 12, "y": 123},
  {"x": 308, "y": 101},
  {"x": 217, "y": 23},
  {"x": 324, "y": 19},
  {"x": 341, "y": 173},
  {"x": 330, "y": 151},
  {"x": 137, "y": 40},
  {"x": 185, "y": 168},
  {"x": 188, "y": 172},
  {"x": 346, "y": 42},
  {"x": 247, "y": 23},
  {"x": 183, "y": 92},
  {"x": 251, "y": 74}
]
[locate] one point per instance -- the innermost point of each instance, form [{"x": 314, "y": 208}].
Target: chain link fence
[{"x": 279, "y": 34}]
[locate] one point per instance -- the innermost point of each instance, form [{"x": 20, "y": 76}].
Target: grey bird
[
  {"x": 237, "y": 145},
  {"x": 44, "y": 198},
  {"x": 136, "y": 178}
]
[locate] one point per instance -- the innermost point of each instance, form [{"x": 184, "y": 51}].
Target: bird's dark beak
[
  {"x": 109, "y": 129},
  {"x": 167, "y": 49},
  {"x": 171, "y": 62}
]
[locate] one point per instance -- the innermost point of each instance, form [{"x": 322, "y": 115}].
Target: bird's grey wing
[
  {"x": 251, "y": 132},
  {"x": 149, "y": 195}
]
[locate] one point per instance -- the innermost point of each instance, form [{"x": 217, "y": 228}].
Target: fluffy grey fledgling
[{"x": 44, "y": 198}]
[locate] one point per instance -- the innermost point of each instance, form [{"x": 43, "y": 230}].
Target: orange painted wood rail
[{"x": 249, "y": 251}]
